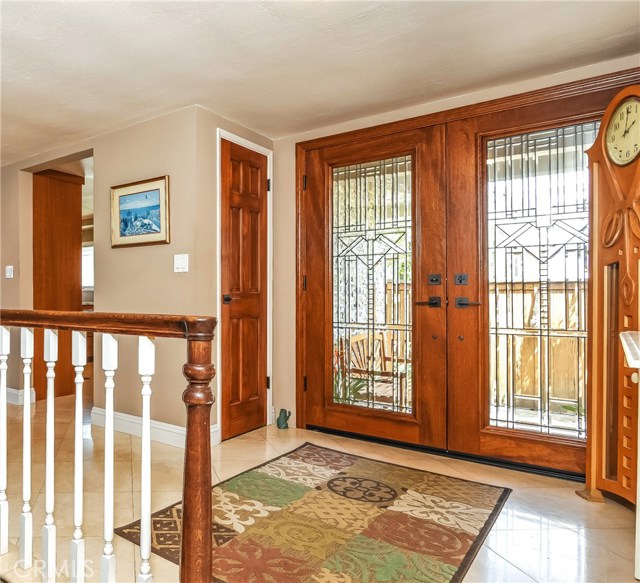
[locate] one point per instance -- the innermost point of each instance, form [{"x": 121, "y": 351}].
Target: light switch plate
[
  {"x": 181, "y": 263},
  {"x": 8, "y": 272}
]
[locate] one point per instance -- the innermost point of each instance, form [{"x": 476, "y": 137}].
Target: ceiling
[{"x": 72, "y": 70}]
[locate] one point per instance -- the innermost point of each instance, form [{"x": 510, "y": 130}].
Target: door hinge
[
  {"x": 268, "y": 382},
  {"x": 268, "y": 184},
  {"x": 304, "y": 383},
  {"x": 304, "y": 182},
  {"x": 304, "y": 283}
]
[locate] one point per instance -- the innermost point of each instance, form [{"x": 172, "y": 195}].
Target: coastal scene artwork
[{"x": 140, "y": 213}]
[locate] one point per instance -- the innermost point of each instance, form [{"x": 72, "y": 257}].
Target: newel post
[{"x": 195, "y": 553}]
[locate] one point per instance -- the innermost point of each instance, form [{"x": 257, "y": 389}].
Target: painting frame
[{"x": 140, "y": 213}]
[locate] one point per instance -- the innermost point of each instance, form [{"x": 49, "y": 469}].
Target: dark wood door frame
[
  {"x": 568, "y": 103},
  {"x": 220, "y": 372}
]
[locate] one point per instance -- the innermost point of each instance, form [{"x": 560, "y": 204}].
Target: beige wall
[
  {"x": 141, "y": 279},
  {"x": 182, "y": 144},
  {"x": 284, "y": 206},
  {"x": 15, "y": 250}
]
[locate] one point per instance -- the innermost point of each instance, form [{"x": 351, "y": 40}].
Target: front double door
[
  {"x": 439, "y": 307},
  {"x": 374, "y": 288}
]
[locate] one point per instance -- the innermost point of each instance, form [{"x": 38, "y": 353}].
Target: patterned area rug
[{"x": 320, "y": 515}]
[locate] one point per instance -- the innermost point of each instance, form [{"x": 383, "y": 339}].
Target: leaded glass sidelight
[
  {"x": 538, "y": 234},
  {"x": 372, "y": 237}
]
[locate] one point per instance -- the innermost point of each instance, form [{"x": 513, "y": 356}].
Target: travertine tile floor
[{"x": 544, "y": 533}]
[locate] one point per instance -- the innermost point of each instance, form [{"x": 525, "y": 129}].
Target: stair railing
[{"x": 195, "y": 561}]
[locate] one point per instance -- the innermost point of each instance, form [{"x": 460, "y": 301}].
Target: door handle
[
  {"x": 465, "y": 303},
  {"x": 432, "y": 302},
  {"x": 226, "y": 299}
]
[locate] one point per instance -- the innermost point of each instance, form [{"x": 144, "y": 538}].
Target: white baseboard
[
  {"x": 16, "y": 396},
  {"x": 162, "y": 432}
]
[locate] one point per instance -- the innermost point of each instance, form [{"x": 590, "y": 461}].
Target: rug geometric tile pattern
[{"x": 316, "y": 515}]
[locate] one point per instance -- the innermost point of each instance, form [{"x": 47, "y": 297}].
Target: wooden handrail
[
  {"x": 152, "y": 325},
  {"x": 195, "y": 563}
]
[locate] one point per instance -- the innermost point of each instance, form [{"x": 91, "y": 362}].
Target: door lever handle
[
  {"x": 465, "y": 303},
  {"x": 226, "y": 299},
  {"x": 432, "y": 302}
]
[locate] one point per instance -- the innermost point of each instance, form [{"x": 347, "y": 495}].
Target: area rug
[{"x": 318, "y": 515}]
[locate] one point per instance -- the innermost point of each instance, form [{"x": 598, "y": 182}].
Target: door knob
[
  {"x": 465, "y": 303},
  {"x": 226, "y": 298},
  {"x": 432, "y": 302}
]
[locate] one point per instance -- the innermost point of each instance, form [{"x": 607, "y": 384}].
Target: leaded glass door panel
[
  {"x": 518, "y": 392},
  {"x": 537, "y": 245},
  {"x": 372, "y": 258},
  {"x": 375, "y": 348}
]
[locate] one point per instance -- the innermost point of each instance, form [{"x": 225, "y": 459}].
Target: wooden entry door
[
  {"x": 372, "y": 331},
  {"x": 244, "y": 288},
  {"x": 57, "y": 275},
  {"x": 462, "y": 414},
  {"x": 521, "y": 229}
]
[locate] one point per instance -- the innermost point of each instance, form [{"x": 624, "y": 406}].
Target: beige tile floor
[{"x": 544, "y": 533}]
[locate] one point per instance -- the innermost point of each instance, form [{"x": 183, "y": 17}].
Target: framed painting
[{"x": 140, "y": 213}]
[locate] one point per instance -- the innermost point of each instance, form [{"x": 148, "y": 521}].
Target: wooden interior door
[
  {"x": 372, "y": 351},
  {"x": 244, "y": 287},
  {"x": 57, "y": 256}
]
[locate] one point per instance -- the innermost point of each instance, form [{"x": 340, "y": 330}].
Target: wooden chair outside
[{"x": 368, "y": 358}]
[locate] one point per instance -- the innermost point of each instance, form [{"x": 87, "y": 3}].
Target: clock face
[{"x": 623, "y": 132}]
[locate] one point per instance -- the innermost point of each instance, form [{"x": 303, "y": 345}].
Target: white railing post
[
  {"x": 146, "y": 369},
  {"x": 79, "y": 361},
  {"x": 49, "y": 528},
  {"x": 5, "y": 338},
  {"x": 109, "y": 365},
  {"x": 26, "y": 517}
]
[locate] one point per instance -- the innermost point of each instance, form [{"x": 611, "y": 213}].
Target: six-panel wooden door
[{"x": 244, "y": 288}]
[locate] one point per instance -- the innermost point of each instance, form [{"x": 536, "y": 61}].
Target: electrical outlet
[{"x": 8, "y": 272}]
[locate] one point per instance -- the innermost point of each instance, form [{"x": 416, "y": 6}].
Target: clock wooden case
[{"x": 612, "y": 401}]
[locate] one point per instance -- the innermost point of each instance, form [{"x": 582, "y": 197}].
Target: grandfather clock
[{"x": 614, "y": 299}]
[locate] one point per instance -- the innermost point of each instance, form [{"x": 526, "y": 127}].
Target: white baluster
[
  {"x": 26, "y": 517},
  {"x": 4, "y": 503},
  {"x": 49, "y": 529},
  {"x": 109, "y": 364},
  {"x": 146, "y": 369},
  {"x": 79, "y": 360}
]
